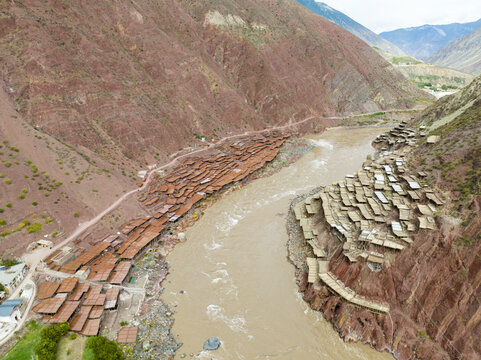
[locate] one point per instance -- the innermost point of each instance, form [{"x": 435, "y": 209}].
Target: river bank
[
  {"x": 371, "y": 265},
  {"x": 230, "y": 277},
  {"x": 156, "y": 319}
]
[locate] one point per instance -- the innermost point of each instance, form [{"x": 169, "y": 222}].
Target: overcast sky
[{"x": 385, "y": 15}]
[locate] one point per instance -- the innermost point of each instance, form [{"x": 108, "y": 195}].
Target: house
[
  {"x": 10, "y": 311},
  {"x": 12, "y": 276}
]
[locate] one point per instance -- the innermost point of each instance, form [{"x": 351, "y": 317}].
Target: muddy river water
[{"x": 231, "y": 278}]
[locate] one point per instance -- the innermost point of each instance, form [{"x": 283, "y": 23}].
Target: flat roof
[
  {"x": 47, "y": 289},
  {"x": 65, "y": 312},
  {"x": 68, "y": 285},
  {"x": 80, "y": 318},
  {"x": 49, "y": 306},
  {"x": 91, "y": 327},
  {"x": 120, "y": 272},
  {"x": 127, "y": 335}
]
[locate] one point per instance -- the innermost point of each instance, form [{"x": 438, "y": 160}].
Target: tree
[
  {"x": 104, "y": 349},
  {"x": 46, "y": 349}
]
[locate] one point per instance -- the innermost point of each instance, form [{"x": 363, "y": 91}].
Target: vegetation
[
  {"x": 34, "y": 228},
  {"x": 46, "y": 349},
  {"x": 23, "y": 349},
  {"x": 8, "y": 262},
  {"x": 408, "y": 60},
  {"x": 76, "y": 214},
  {"x": 100, "y": 348}
]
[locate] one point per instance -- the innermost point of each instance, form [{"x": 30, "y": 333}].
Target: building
[
  {"x": 44, "y": 244},
  {"x": 10, "y": 311},
  {"x": 12, "y": 276}
]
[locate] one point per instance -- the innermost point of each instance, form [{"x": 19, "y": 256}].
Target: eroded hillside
[
  {"x": 428, "y": 284},
  {"x": 141, "y": 80}
]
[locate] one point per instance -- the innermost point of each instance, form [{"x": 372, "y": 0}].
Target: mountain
[
  {"x": 463, "y": 54},
  {"x": 350, "y": 25},
  {"x": 139, "y": 80},
  {"x": 435, "y": 79},
  {"x": 94, "y": 91},
  {"x": 423, "y": 41}
]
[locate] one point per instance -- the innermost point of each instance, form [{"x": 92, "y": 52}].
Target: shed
[
  {"x": 10, "y": 311},
  {"x": 45, "y": 243}
]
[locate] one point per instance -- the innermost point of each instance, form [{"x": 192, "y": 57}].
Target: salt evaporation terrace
[
  {"x": 91, "y": 279},
  {"x": 373, "y": 213}
]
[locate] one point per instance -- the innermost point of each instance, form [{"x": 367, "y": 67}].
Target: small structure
[
  {"x": 12, "y": 276},
  {"x": 10, "y": 311},
  {"x": 433, "y": 139},
  {"x": 44, "y": 244},
  {"x": 127, "y": 335}
]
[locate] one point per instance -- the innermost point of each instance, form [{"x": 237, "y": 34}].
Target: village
[
  {"x": 372, "y": 214},
  {"x": 92, "y": 288}
]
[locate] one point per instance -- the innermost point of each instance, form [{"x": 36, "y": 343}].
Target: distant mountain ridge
[
  {"x": 423, "y": 41},
  {"x": 350, "y": 25},
  {"x": 463, "y": 54}
]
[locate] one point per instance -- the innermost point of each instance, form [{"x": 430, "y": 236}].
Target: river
[{"x": 231, "y": 278}]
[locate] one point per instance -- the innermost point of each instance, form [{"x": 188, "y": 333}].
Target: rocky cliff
[
  {"x": 139, "y": 80},
  {"x": 432, "y": 286}
]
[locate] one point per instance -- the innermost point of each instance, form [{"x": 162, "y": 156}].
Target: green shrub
[
  {"x": 76, "y": 214},
  {"x": 7, "y": 181},
  {"x": 9, "y": 205},
  {"x": 103, "y": 349},
  {"x": 3, "y": 222},
  {"x": 25, "y": 191},
  {"x": 1, "y": 211},
  {"x": 21, "y": 196},
  {"x": 34, "y": 228},
  {"x": 7, "y": 164},
  {"x": 73, "y": 336},
  {"x": 34, "y": 203},
  {"x": 8, "y": 262}
]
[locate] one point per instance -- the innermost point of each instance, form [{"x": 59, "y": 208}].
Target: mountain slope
[
  {"x": 463, "y": 54},
  {"x": 139, "y": 80},
  {"x": 435, "y": 79},
  {"x": 433, "y": 285},
  {"x": 423, "y": 41},
  {"x": 350, "y": 25}
]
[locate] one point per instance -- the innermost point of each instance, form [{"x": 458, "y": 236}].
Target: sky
[{"x": 385, "y": 15}]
